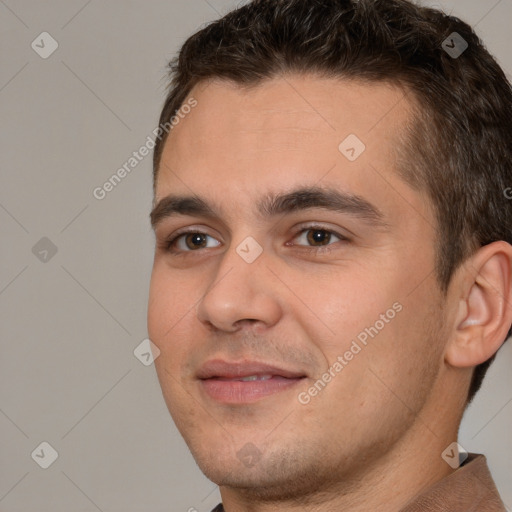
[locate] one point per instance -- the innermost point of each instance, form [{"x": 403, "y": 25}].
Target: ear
[{"x": 484, "y": 313}]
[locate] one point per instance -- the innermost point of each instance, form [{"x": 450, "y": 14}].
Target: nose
[{"x": 240, "y": 294}]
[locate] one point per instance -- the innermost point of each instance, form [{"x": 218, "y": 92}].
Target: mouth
[{"x": 245, "y": 382}]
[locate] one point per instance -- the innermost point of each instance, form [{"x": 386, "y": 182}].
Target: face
[{"x": 294, "y": 299}]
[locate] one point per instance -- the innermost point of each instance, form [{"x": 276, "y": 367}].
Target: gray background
[{"x": 69, "y": 325}]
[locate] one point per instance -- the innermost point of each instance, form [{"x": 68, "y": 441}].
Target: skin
[{"x": 356, "y": 445}]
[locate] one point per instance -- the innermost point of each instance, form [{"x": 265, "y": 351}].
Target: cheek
[
  {"x": 170, "y": 313},
  {"x": 403, "y": 361},
  {"x": 380, "y": 329},
  {"x": 169, "y": 329},
  {"x": 345, "y": 306},
  {"x": 170, "y": 303},
  {"x": 387, "y": 381}
]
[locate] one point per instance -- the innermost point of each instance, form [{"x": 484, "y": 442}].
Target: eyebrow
[{"x": 272, "y": 204}]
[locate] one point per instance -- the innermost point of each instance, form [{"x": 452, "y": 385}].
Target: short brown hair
[{"x": 458, "y": 147}]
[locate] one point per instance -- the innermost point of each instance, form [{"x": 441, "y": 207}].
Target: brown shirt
[{"x": 468, "y": 489}]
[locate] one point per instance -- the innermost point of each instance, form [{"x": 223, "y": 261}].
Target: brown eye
[
  {"x": 195, "y": 240},
  {"x": 190, "y": 241},
  {"x": 318, "y": 236}
]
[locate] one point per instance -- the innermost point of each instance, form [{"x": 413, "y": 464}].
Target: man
[{"x": 333, "y": 268}]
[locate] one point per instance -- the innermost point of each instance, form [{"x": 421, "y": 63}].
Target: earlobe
[{"x": 485, "y": 309}]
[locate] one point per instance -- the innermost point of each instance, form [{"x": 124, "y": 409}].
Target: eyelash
[{"x": 171, "y": 242}]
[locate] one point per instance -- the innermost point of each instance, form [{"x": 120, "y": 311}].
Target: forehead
[{"x": 294, "y": 130}]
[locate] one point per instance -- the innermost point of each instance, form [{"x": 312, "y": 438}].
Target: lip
[{"x": 220, "y": 380}]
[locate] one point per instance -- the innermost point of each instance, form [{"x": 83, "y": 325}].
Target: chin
[{"x": 278, "y": 475}]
